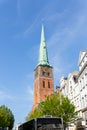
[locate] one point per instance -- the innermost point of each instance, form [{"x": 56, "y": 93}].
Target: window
[
  {"x": 85, "y": 74},
  {"x": 75, "y": 78},
  {"x": 70, "y": 88},
  {"x": 70, "y": 82},
  {"x": 43, "y": 73},
  {"x": 48, "y": 84},
  {"x": 43, "y": 84},
  {"x": 83, "y": 102},
  {"x": 48, "y": 73}
]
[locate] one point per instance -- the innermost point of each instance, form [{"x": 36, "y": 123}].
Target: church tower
[{"x": 43, "y": 74}]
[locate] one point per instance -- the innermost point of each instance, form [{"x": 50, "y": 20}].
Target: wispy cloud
[
  {"x": 62, "y": 38},
  {"x": 30, "y": 86},
  {"x": 41, "y": 16},
  {"x": 67, "y": 34},
  {"x": 29, "y": 76},
  {"x": 58, "y": 66},
  {"x": 30, "y": 90},
  {"x": 25, "y": 33},
  {"x": 5, "y": 96},
  {"x": 25, "y": 96},
  {"x": 31, "y": 28}
]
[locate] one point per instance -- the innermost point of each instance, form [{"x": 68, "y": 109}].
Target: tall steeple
[
  {"x": 43, "y": 74},
  {"x": 43, "y": 55}
]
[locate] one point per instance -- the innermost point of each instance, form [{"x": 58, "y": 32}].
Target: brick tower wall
[{"x": 43, "y": 83}]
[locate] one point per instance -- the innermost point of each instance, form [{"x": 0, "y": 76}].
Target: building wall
[
  {"x": 73, "y": 92},
  {"x": 43, "y": 83},
  {"x": 76, "y": 86},
  {"x": 82, "y": 83},
  {"x": 64, "y": 86}
]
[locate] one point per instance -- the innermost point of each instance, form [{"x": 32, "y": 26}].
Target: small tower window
[
  {"x": 43, "y": 73},
  {"x": 43, "y": 84},
  {"x": 48, "y": 74},
  {"x": 48, "y": 84}
]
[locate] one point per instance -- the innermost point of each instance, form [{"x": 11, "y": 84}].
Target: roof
[{"x": 43, "y": 55}]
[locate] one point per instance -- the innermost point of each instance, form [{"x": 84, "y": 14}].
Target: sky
[{"x": 65, "y": 23}]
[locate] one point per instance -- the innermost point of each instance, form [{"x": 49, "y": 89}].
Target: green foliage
[
  {"x": 34, "y": 114},
  {"x": 6, "y": 117},
  {"x": 56, "y": 105},
  {"x": 67, "y": 110},
  {"x": 51, "y": 105}
]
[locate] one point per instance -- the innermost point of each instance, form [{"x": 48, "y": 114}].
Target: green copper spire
[{"x": 43, "y": 56}]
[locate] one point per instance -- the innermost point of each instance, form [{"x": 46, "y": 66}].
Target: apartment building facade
[
  {"x": 82, "y": 82},
  {"x": 75, "y": 86}
]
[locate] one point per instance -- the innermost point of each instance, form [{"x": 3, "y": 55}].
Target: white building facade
[
  {"x": 82, "y": 82},
  {"x": 64, "y": 86},
  {"x": 73, "y": 92},
  {"x": 75, "y": 86}
]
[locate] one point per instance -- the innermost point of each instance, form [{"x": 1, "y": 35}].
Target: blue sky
[{"x": 65, "y": 24}]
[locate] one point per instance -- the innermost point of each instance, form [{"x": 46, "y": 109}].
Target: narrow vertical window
[
  {"x": 48, "y": 73},
  {"x": 43, "y": 73},
  {"x": 43, "y": 84},
  {"x": 48, "y": 84}
]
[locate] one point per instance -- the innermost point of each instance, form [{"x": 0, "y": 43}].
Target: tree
[
  {"x": 67, "y": 111},
  {"x": 34, "y": 114},
  {"x": 6, "y": 117},
  {"x": 56, "y": 105}
]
